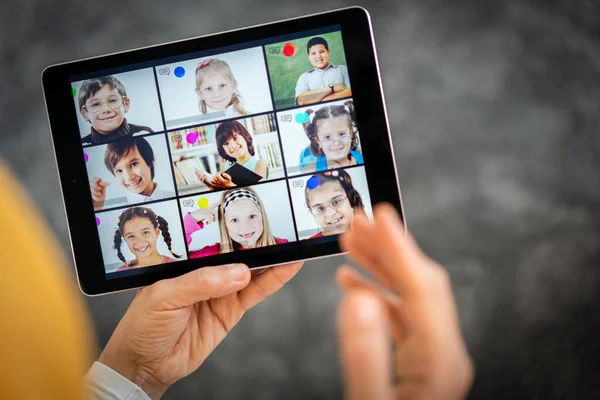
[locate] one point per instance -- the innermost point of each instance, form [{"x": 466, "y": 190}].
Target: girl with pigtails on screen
[
  {"x": 242, "y": 219},
  {"x": 140, "y": 227},
  {"x": 333, "y": 138},
  {"x": 332, "y": 200},
  {"x": 217, "y": 88}
]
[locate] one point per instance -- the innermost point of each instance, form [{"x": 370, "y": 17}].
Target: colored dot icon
[
  {"x": 86, "y": 157},
  {"x": 302, "y": 118},
  {"x": 313, "y": 183},
  {"x": 97, "y": 221},
  {"x": 191, "y": 137},
  {"x": 289, "y": 50},
  {"x": 203, "y": 202},
  {"x": 179, "y": 72},
  {"x": 74, "y": 92}
]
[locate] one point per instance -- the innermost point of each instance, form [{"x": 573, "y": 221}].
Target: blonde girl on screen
[
  {"x": 217, "y": 88},
  {"x": 243, "y": 223}
]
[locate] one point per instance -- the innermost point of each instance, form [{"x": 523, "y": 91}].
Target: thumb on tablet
[{"x": 200, "y": 285}]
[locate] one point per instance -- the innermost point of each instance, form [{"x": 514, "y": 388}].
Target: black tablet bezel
[{"x": 370, "y": 113}]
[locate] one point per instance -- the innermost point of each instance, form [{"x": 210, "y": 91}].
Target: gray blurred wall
[{"x": 494, "y": 110}]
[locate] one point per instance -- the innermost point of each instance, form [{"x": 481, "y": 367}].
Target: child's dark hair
[
  {"x": 119, "y": 149},
  {"x": 315, "y": 41},
  {"x": 227, "y": 130},
  {"x": 327, "y": 112},
  {"x": 141, "y": 212},
  {"x": 340, "y": 176},
  {"x": 90, "y": 87}
]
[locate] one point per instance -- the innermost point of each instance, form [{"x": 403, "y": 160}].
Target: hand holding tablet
[{"x": 255, "y": 146}]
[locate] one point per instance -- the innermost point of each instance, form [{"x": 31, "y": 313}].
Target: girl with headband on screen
[
  {"x": 243, "y": 223},
  {"x": 140, "y": 227},
  {"x": 332, "y": 200},
  {"x": 333, "y": 138},
  {"x": 235, "y": 145},
  {"x": 217, "y": 88}
]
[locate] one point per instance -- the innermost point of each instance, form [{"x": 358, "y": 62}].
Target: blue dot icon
[
  {"x": 179, "y": 72},
  {"x": 302, "y": 118},
  {"x": 313, "y": 183}
]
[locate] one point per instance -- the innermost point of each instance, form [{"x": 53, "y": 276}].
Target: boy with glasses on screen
[{"x": 103, "y": 103}]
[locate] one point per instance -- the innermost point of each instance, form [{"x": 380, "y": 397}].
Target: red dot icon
[{"x": 289, "y": 49}]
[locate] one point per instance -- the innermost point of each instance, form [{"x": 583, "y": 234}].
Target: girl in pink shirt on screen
[{"x": 243, "y": 223}]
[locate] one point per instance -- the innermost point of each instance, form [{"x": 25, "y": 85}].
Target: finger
[
  {"x": 348, "y": 279},
  {"x": 386, "y": 248},
  {"x": 267, "y": 283},
  {"x": 365, "y": 347},
  {"x": 226, "y": 177},
  {"x": 200, "y": 285},
  {"x": 102, "y": 183}
]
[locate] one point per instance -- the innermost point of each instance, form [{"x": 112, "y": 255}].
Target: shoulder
[
  {"x": 135, "y": 129},
  {"x": 167, "y": 260},
  {"x": 281, "y": 240},
  {"x": 310, "y": 167},
  {"x": 304, "y": 75},
  {"x": 87, "y": 139},
  {"x": 123, "y": 267}
]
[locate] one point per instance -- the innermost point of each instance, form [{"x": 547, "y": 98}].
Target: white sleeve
[
  {"x": 345, "y": 75},
  {"x": 103, "y": 383},
  {"x": 302, "y": 85}
]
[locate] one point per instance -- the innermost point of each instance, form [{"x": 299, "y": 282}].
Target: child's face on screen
[
  {"x": 331, "y": 208},
  {"x": 318, "y": 56},
  {"x": 216, "y": 90},
  {"x": 334, "y": 136},
  {"x": 105, "y": 110},
  {"x": 236, "y": 146},
  {"x": 244, "y": 222},
  {"x": 141, "y": 237},
  {"x": 134, "y": 174}
]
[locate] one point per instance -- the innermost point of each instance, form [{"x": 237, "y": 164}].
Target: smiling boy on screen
[
  {"x": 103, "y": 102},
  {"x": 325, "y": 81},
  {"x": 131, "y": 162}
]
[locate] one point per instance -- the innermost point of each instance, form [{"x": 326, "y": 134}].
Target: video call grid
[{"x": 274, "y": 111}]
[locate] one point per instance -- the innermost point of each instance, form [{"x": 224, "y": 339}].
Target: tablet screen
[{"x": 158, "y": 139}]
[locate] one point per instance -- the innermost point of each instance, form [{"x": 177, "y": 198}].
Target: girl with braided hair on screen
[
  {"x": 333, "y": 139},
  {"x": 139, "y": 227},
  {"x": 243, "y": 223},
  {"x": 332, "y": 200}
]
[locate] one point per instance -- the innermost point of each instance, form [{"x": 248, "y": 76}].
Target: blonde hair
[
  {"x": 228, "y": 245},
  {"x": 212, "y": 65}
]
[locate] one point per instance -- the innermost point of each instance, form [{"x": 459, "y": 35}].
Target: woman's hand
[
  {"x": 412, "y": 303},
  {"x": 172, "y": 326},
  {"x": 206, "y": 215}
]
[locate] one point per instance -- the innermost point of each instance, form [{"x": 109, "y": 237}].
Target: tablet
[{"x": 139, "y": 135}]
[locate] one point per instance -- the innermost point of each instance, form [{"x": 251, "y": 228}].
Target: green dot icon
[{"x": 74, "y": 92}]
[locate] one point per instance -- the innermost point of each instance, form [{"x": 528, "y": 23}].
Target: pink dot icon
[
  {"x": 191, "y": 137},
  {"x": 86, "y": 157},
  {"x": 97, "y": 221}
]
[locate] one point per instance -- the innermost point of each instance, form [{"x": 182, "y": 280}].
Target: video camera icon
[
  {"x": 274, "y": 50},
  {"x": 164, "y": 71}
]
